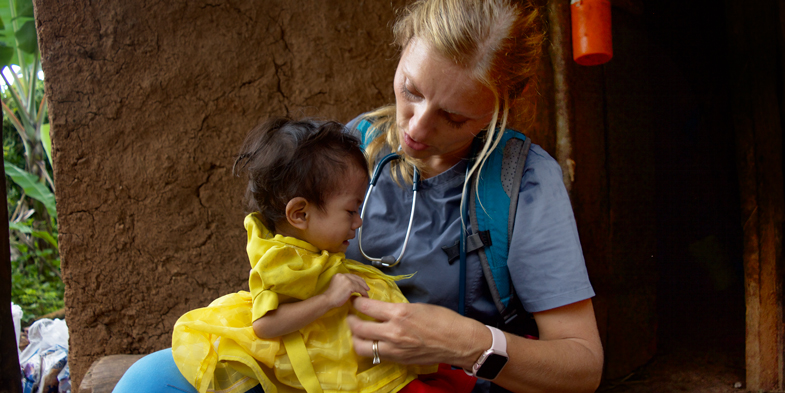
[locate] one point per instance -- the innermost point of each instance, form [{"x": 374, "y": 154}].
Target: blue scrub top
[{"x": 545, "y": 259}]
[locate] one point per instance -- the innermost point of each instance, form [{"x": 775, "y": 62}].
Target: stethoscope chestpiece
[{"x": 386, "y": 261}]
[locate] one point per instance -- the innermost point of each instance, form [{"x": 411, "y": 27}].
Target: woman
[
  {"x": 463, "y": 65},
  {"x": 466, "y": 66}
]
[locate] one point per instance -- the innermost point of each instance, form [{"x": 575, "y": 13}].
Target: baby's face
[{"x": 332, "y": 228}]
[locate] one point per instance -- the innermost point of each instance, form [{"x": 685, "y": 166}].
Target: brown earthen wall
[{"x": 149, "y": 101}]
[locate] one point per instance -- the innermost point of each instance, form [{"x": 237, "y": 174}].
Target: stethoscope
[{"x": 388, "y": 260}]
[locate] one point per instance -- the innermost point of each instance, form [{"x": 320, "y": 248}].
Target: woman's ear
[{"x": 297, "y": 211}]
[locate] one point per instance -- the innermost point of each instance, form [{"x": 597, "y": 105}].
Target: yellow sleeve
[
  {"x": 264, "y": 300},
  {"x": 277, "y": 270}
]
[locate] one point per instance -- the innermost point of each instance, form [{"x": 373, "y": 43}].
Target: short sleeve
[
  {"x": 278, "y": 269},
  {"x": 264, "y": 300},
  {"x": 545, "y": 259}
]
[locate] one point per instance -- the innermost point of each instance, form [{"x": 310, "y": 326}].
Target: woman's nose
[{"x": 420, "y": 124}]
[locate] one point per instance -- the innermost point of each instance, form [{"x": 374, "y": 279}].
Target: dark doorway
[{"x": 700, "y": 292}]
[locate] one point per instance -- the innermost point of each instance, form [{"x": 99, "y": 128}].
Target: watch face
[{"x": 492, "y": 366}]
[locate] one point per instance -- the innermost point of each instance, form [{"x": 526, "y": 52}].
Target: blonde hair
[{"x": 499, "y": 43}]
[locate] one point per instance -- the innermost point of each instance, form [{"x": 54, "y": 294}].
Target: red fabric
[{"x": 446, "y": 380}]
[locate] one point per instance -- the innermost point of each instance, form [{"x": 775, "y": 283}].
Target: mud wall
[{"x": 149, "y": 101}]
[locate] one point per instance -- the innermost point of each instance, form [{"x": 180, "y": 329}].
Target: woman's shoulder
[
  {"x": 541, "y": 169},
  {"x": 538, "y": 158}
]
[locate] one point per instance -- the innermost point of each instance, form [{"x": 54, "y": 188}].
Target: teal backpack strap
[
  {"x": 367, "y": 132},
  {"x": 492, "y": 215}
]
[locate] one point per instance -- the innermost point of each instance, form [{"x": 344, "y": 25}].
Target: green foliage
[
  {"x": 35, "y": 262},
  {"x": 19, "y": 41},
  {"x": 32, "y": 187},
  {"x": 35, "y": 272}
]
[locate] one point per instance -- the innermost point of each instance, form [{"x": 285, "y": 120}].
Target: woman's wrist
[{"x": 478, "y": 339}]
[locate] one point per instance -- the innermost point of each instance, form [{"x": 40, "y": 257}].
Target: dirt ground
[
  {"x": 700, "y": 348},
  {"x": 685, "y": 369}
]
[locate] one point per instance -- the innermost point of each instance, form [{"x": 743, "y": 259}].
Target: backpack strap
[
  {"x": 363, "y": 126},
  {"x": 492, "y": 208}
]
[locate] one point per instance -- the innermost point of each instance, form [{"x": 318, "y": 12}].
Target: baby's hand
[{"x": 341, "y": 288}]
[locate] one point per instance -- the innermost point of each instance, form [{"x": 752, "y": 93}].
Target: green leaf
[
  {"x": 32, "y": 186},
  {"x": 46, "y": 140},
  {"x": 5, "y": 16},
  {"x": 11, "y": 19},
  {"x": 26, "y": 37},
  {"x": 20, "y": 226},
  {"x": 24, "y": 8},
  {"x": 6, "y": 54},
  {"x": 47, "y": 237}
]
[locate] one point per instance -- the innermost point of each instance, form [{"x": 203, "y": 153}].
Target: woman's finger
[
  {"x": 410, "y": 333},
  {"x": 362, "y": 347},
  {"x": 385, "y": 350},
  {"x": 362, "y": 329},
  {"x": 377, "y": 309}
]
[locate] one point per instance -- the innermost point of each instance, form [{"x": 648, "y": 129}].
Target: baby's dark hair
[{"x": 285, "y": 158}]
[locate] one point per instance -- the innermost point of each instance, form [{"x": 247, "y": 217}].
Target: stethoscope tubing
[{"x": 388, "y": 261}]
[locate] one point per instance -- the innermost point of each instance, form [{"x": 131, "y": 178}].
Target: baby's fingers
[
  {"x": 359, "y": 280},
  {"x": 362, "y": 289}
]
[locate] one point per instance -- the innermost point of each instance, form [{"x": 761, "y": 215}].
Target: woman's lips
[{"x": 414, "y": 145}]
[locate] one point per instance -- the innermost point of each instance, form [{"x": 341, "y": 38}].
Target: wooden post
[
  {"x": 755, "y": 75},
  {"x": 10, "y": 377},
  {"x": 560, "y": 51}
]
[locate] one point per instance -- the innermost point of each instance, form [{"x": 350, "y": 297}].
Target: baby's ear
[{"x": 297, "y": 213}]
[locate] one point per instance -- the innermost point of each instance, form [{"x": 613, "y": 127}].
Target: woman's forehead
[{"x": 442, "y": 80}]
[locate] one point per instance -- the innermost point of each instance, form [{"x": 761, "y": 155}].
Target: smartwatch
[{"x": 492, "y": 361}]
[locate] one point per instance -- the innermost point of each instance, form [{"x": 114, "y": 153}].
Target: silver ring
[{"x": 375, "y": 347}]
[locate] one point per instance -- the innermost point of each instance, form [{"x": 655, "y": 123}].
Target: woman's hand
[
  {"x": 417, "y": 333},
  {"x": 567, "y": 357}
]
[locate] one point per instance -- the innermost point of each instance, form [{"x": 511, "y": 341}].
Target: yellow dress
[{"x": 216, "y": 349}]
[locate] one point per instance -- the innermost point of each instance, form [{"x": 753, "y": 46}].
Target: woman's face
[{"x": 439, "y": 107}]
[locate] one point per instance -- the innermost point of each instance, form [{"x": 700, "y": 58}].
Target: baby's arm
[{"x": 290, "y": 317}]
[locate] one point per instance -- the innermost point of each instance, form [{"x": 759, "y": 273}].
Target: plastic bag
[
  {"x": 16, "y": 313},
  {"x": 64, "y": 380},
  {"x": 44, "y": 362}
]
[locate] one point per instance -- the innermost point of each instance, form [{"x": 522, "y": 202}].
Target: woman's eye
[
  {"x": 454, "y": 123},
  {"x": 408, "y": 94}
]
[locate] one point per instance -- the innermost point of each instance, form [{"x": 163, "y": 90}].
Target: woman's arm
[
  {"x": 290, "y": 317},
  {"x": 567, "y": 357}
]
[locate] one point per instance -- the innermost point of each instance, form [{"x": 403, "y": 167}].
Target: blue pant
[{"x": 157, "y": 373}]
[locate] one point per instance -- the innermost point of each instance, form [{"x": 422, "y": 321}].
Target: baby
[{"x": 306, "y": 184}]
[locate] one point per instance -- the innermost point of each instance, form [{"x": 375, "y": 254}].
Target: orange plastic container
[{"x": 591, "y": 31}]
